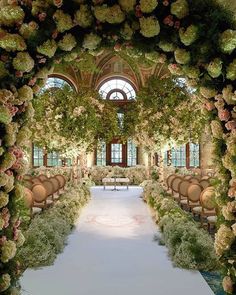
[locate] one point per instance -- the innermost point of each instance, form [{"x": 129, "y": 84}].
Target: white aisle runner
[{"x": 112, "y": 252}]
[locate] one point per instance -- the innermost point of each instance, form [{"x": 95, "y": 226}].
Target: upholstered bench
[{"x": 115, "y": 181}]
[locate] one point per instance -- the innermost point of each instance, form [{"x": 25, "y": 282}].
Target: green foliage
[
  {"x": 167, "y": 111},
  {"x": 189, "y": 246},
  {"x": 81, "y": 121},
  {"x": 48, "y": 231}
]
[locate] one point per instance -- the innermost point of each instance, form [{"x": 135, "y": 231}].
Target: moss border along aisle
[{"x": 112, "y": 251}]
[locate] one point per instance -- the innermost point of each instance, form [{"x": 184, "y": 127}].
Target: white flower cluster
[{"x": 223, "y": 239}]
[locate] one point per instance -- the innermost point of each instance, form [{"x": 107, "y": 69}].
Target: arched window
[
  {"x": 56, "y": 82},
  {"x": 117, "y": 89}
]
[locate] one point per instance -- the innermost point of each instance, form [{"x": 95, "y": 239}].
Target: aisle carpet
[{"x": 112, "y": 252}]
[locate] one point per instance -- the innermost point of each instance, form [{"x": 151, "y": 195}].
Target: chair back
[
  {"x": 42, "y": 177},
  {"x": 28, "y": 184},
  {"x": 204, "y": 183},
  {"x": 207, "y": 198},
  {"x": 175, "y": 184},
  {"x": 183, "y": 187},
  {"x": 61, "y": 180},
  {"x": 28, "y": 198},
  {"x": 198, "y": 177},
  {"x": 194, "y": 180},
  {"x": 39, "y": 192},
  {"x": 56, "y": 183},
  {"x": 169, "y": 179},
  {"x": 49, "y": 187},
  {"x": 194, "y": 192},
  {"x": 187, "y": 177},
  {"x": 36, "y": 180}
]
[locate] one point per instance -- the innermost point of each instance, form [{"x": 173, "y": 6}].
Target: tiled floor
[{"x": 112, "y": 252}]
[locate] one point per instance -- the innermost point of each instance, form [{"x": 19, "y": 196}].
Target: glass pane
[
  {"x": 116, "y": 96},
  {"x": 116, "y": 153},
  {"x": 37, "y": 156},
  {"x": 194, "y": 155},
  {"x": 117, "y": 84},
  {"x": 55, "y": 82},
  {"x": 165, "y": 158},
  {"x": 131, "y": 153},
  {"x": 178, "y": 156},
  {"x": 53, "y": 159},
  {"x": 101, "y": 154}
]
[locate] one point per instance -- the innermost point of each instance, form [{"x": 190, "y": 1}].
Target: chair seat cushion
[
  {"x": 212, "y": 219},
  {"x": 175, "y": 195},
  {"x": 36, "y": 210},
  {"x": 194, "y": 204},
  {"x": 209, "y": 212},
  {"x": 197, "y": 209},
  {"x": 184, "y": 202}
]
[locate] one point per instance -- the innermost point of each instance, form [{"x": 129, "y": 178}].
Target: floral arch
[{"x": 197, "y": 39}]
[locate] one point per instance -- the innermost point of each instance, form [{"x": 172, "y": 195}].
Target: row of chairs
[
  {"x": 195, "y": 194},
  {"x": 42, "y": 191}
]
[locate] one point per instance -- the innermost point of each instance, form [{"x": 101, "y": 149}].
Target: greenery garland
[
  {"x": 47, "y": 233},
  {"x": 196, "y": 38},
  {"x": 189, "y": 246},
  {"x": 78, "y": 124},
  {"x": 169, "y": 113}
]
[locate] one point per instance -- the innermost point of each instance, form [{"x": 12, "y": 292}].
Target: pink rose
[
  {"x": 58, "y": 3},
  {"x": 230, "y": 125},
  {"x": 54, "y": 34},
  {"x": 33, "y": 25},
  {"x": 32, "y": 81},
  {"x": 4, "y": 57},
  {"x": 129, "y": 45},
  {"x": 138, "y": 12},
  {"x": 3, "y": 239},
  {"x": 227, "y": 284},
  {"x": 232, "y": 192},
  {"x": 9, "y": 173},
  {"x": 15, "y": 235},
  {"x": 224, "y": 115},
  {"x": 117, "y": 47},
  {"x": 165, "y": 3},
  {"x": 177, "y": 24},
  {"x": 209, "y": 106},
  {"x": 42, "y": 16},
  {"x": 19, "y": 177},
  {"x": 169, "y": 20},
  {"x": 19, "y": 74}
]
